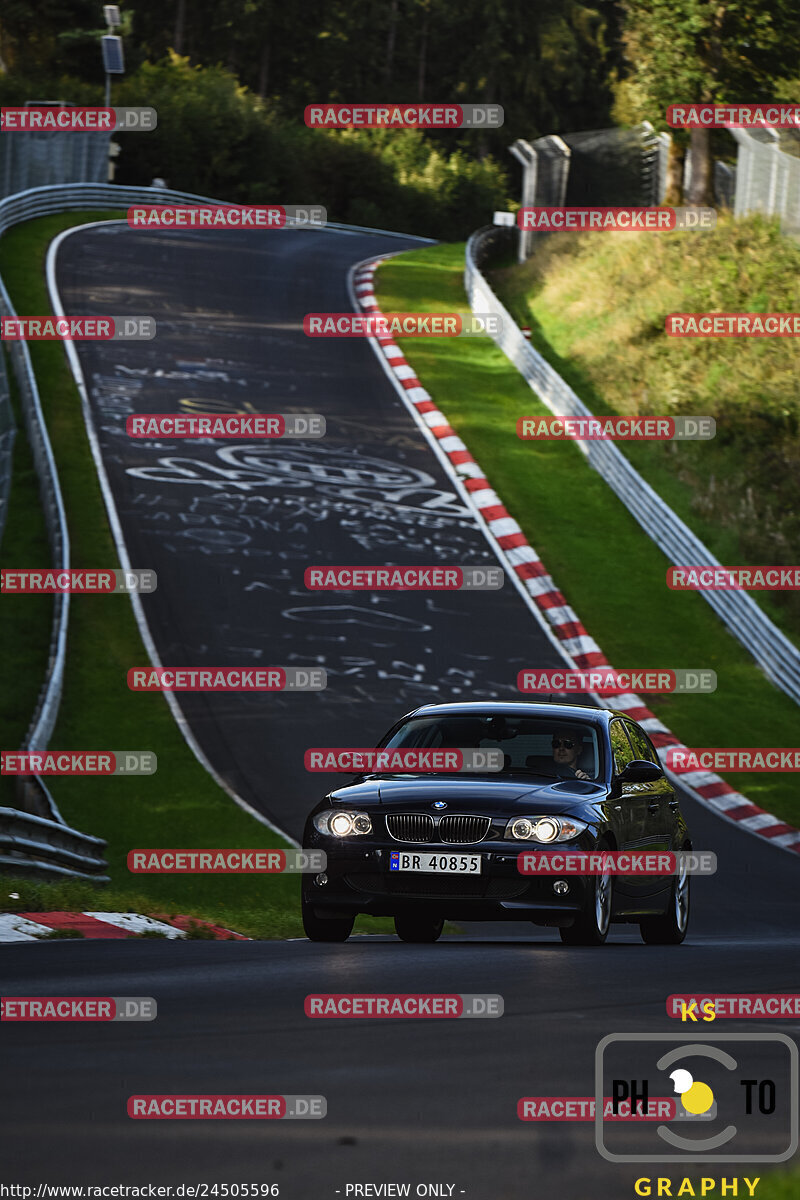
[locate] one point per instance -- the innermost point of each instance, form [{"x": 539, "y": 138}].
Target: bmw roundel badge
[{"x": 439, "y": 804}]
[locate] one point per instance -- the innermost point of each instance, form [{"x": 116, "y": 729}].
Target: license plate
[{"x": 435, "y": 864}]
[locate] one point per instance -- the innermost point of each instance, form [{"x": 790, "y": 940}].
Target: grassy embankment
[{"x": 611, "y": 573}]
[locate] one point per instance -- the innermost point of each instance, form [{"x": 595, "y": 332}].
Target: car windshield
[{"x": 542, "y": 746}]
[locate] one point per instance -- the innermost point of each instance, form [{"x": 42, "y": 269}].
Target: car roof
[{"x": 518, "y": 708}]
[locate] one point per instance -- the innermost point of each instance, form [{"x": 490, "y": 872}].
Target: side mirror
[{"x": 639, "y": 770}]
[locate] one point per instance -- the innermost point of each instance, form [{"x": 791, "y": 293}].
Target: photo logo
[
  {"x": 581, "y": 1108},
  {"x": 728, "y": 758},
  {"x": 733, "y": 324},
  {"x": 736, "y": 1096},
  {"x": 702, "y": 578},
  {"x": 227, "y": 679},
  {"x": 734, "y": 1006},
  {"x": 733, "y": 116},
  {"x": 226, "y": 1108},
  {"x": 617, "y": 429},
  {"x": 226, "y": 862},
  {"x": 401, "y": 760},
  {"x": 236, "y": 425},
  {"x": 78, "y": 762},
  {"x": 607, "y": 681},
  {"x": 614, "y": 220},
  {"x": 392, "y": 325},
  {"x": 77, "y": 329},
  {"x": 77, "y": 120},
  {"x": 404, "y": 579},
  {"x": 78, "y": 1008},
  {"x": 227, "y": 216},
  {"x": 404, "y": 116},
  {"x": 97, "y": 582},
  {"x": 459, "y": 1005},
  {"x": 616, "y": 862}
]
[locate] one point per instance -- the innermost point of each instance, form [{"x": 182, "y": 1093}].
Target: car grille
[
  {"x": 431, "y": 886},
  {"x": 452, "y": 830},
  {"x": 459, "y": 829},
  {"x": 410, "y": 827}
]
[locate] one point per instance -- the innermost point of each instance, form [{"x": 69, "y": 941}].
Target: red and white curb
[
  {"x": 579, "y": 649},
  {"x": 32, "y": 926}
]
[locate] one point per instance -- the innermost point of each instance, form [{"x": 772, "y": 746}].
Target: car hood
[{"x": 470, "y": 794}]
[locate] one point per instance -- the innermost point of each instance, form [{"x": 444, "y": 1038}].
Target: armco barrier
[
  {"x": 775, "y": 654},
  {"x": 8, "y": 432},
  {"x": 31, "y": 845},
  {"x": 44, "y": 717}
]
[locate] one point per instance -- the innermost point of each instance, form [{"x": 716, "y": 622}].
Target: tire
[
  {"x": 422, "y": 928},
  {"x": 325, "y": 929},
  {"x": 592, "y": 925},
  {"x": 671, "y": 928}
]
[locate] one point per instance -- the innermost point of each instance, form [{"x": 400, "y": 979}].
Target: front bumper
[{"x": 358, "y": 880}]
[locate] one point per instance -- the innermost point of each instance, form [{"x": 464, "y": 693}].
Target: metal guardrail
[
  {"x": 44, "y": 717},
  {"x": 31, "y": 845},
  {"x": 68, "y": 197},
  {"x": 8, "y": 432},
  {"x": 776, "y": 655}
]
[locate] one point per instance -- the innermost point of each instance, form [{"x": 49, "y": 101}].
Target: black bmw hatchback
[{"x": 425, "y": 848}]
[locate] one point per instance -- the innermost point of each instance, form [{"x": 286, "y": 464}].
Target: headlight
[
  {"x": 544, "y": 829},
  {"x": 342, "y": 822}
]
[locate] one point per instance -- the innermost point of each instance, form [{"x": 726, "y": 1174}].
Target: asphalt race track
[
  {"x": 408, "y": 1100},
  {"x": 231, "y": 526},
  {"x": 230, "y": 529}
]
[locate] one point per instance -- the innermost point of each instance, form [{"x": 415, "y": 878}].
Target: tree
[
  {"x": 702, "y": 51},
  {"x": 51, "y": 37}
]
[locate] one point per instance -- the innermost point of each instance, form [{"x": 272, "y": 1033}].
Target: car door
[
  {"x": 660, "y": 804},
  {"x": 632, "y": 800}
]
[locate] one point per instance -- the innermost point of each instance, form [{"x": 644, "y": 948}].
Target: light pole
[{"x": 111, "y": 44}]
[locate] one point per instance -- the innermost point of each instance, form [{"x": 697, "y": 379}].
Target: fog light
[
  {"x": 560, "y": 887},
  {"x": 321, "y": 880}
]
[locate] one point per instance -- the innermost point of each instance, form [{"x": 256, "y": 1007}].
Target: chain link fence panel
[
  {"x": 29, "y": 159},
  {"x": 767, "y": 179}
]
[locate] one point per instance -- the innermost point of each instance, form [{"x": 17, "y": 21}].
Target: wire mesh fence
[
  {"x": 767, "y": 178},
  {"x": 599, "y": 167},
  {"x": 31, "y": 159},
  {"x": 609, "y": 167}
]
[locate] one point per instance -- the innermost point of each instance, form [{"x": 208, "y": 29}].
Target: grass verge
[
  {"x": 596, "y": 307},
  {"x": 609, "y": 570},
  {"x": 780, "y": 1185},
  {"x": 26, "y": 620},
  {"x": 179, "y": 806}
]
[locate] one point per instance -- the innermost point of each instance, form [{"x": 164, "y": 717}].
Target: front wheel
[
  {"x": 414, "y": 928},
  {"x": 325, "y": 929},
  {"x": 671, "y": 928},
  {"x": 591, "y": 926}
]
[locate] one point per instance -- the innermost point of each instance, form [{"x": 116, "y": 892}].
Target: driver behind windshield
[{"x": 566, "y": 745}]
